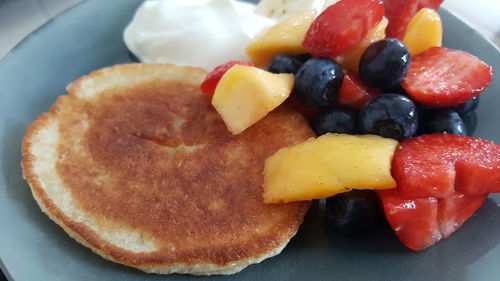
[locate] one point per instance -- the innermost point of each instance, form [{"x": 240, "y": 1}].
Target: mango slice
[
  {"x": 328, "y": 165},
  {"x": 423, "y": 32},
  {"x": 245, "y": 94},
  {"x": 284, "y": 38},
  {"x": 350, "y": 60}
]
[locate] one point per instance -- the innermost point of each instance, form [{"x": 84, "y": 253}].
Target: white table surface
[{"x": 20, "y": 17}]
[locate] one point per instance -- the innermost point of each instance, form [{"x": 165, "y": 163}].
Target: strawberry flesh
[
  {"x": 453, "y": 211},
  {"x": 477, "y": 178},
  {"x": 413, "y": 220},
  {"x": 400, "y": 12},
  {"x": 436, "y": 165},
  {"x": 354, "y": 93},
  {"x": 441, "y": 77},
  {"x": 420, "y": 223},
  {"x": 442, "y": 180},
  {"x": 342, "y": 26}
]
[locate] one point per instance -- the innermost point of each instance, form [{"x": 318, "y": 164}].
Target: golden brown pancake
[{"x": 135, "y": 164}]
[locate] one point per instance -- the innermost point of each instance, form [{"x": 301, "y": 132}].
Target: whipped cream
[{"x": 202, "y": 33}]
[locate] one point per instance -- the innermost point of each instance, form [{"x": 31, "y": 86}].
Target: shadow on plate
[
  {"x": 449, "y": 257},
  {"x": 132, "y": 57}
]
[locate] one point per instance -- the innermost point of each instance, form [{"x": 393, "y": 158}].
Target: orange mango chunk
[
  {"x": 350, "y": 60},
  {"x": 284, "y": 38},
  {"x": 423, "y": 32}
]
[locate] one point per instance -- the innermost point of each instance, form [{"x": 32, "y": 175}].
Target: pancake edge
[{"x": 90, "y": 239}]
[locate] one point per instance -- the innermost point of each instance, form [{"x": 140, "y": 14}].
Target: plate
[{"x": 88, "y": 37}]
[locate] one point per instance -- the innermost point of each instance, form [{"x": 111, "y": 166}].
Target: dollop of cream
[{"x": 202, "y": 33}]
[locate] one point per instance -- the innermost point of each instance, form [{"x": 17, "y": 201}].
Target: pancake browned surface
[{"x": 136, "y": 164}]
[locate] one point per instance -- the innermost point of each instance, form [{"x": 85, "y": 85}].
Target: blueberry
[
  {"x": 445, "y": 120},
  {"x": 334, "y": 121},
  {"x": 389, "y": 115},
  {"x": 303, "y": 57},
  {"x": 397, "y": 89},
  {"x": 318, "y": 81},
  {"x": 384, "y": 64},
  {"x": 354, "y": 211},
  {"x": 470, "y": 121},
  {"x": 284, "y": 64},
  {"x": 468, "y": 106}
]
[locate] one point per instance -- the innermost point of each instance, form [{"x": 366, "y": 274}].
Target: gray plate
[{"x": 88, "y": 37}]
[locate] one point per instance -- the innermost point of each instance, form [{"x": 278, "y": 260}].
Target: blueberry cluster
[{"x": 393, "y": 114}]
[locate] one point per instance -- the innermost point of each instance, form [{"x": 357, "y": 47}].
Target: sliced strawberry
[
  {"x": 413, "y": 220},
  {"x": 208, "y": 86},
  {"x": 342, "y": 26},
  {"x": 442, "y": 77},
  {"x": 400, "y": 12},
  {"x": 436, "y": 165},
  {"x": 453, "y": 211},
  {"x": 470, "y": 177},
  {"x": 420, "y": 223},
  {"x": 354, "y": 93},
  {"x": 442, "y": 180}
]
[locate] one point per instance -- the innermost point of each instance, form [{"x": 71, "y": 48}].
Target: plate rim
[{"x": 77, "y": 5}]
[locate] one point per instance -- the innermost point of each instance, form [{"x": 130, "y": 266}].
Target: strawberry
[
  {"x": 453, "y": 211},
  {"x": 208, "y": 86},
  {"x": 472, "y": 180},
  {"x": 413, "y": 220},
  {"x": 436, "y": 165},
  {"x": 441, "y": 77},
  {"x": 442, "y": 180},
  {"x": 342, "y": 26},
  {"x": 354, "y": 93},
  {"x": 420, "y": 223},
  {"x": 400, "y": 12}
]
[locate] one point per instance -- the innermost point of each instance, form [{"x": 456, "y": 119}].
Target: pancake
[{"x": 135, "y": 164}]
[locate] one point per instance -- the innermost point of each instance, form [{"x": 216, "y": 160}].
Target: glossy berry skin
[
  {"x": 334, "y": 121},
  {"x": 396, "y": 89},
  {"x": 441, "y": 77},
  {"x": 437, "y": 165},
  {"x": 468, "y": 106},
  {"x": 384, "y": 64},
  {"x": 442, "y": 180},
  {"x": 284, "y": 64},
  {"x": 318, "y": 81},
  {"x": 470, "y": 121},
  {"x": 400, "y": 12},
  {"x": 342, "y": 26},
  {"x": 421, "y": 222},
  {"x": 355, "y": 211},
  {"x": 353, "y": 93},
  {"x": 303, "y": 57},
  {"x": 446, "y": 120},
  {"x": 389, "y": 115}
]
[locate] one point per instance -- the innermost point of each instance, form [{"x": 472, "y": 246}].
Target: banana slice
[{"x": 281, "y": 9}]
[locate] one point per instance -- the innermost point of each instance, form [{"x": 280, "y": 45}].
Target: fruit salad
[{"x": 390, "y": 106}]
